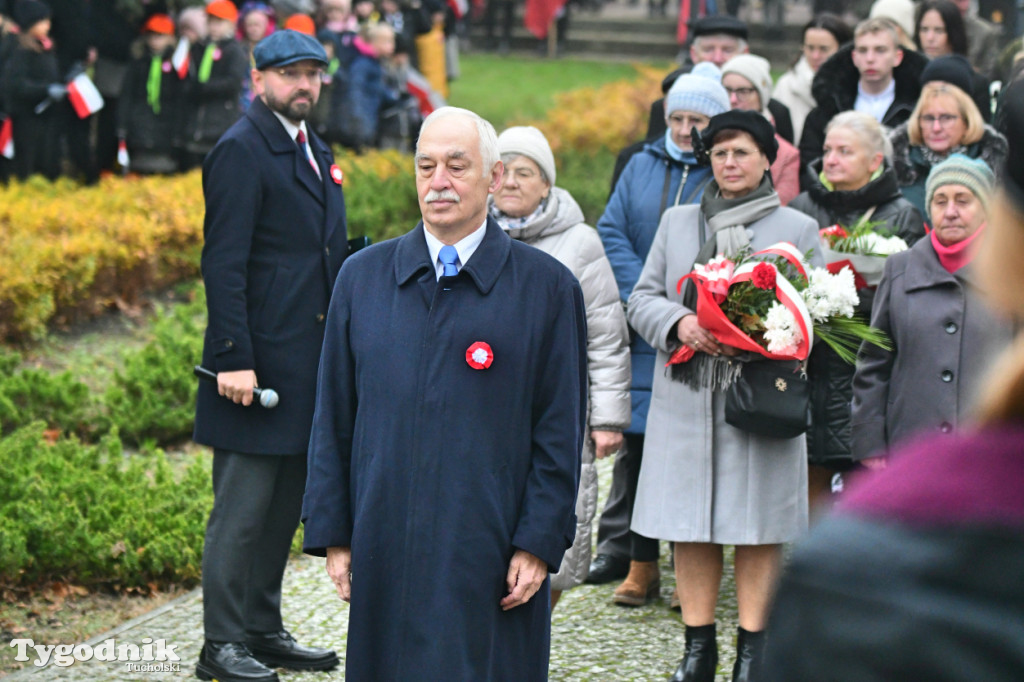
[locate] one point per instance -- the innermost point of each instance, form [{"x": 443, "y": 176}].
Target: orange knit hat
[
  {"x": 223, "y": 9},
  {"x": 302, "y": 23},
  {"x": 159, "y": 23}
]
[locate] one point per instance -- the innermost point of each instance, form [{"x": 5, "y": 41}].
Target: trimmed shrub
[
  {"x": 26, "y": 395},
  {"x": 87, "y": 514}
]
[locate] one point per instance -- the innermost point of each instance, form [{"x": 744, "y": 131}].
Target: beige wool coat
[
  {"x": 560, "y": 232},
  {"x": 703, "y": 480}
]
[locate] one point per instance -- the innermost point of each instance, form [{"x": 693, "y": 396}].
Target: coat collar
[
  {"x": 412, "y": 258},
  {"x": 280, "y": 143},
  {"x": 881, "y": 190},
  {"x": 925, "y": 271}
]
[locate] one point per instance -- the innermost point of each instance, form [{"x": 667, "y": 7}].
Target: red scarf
[{"x": 955, "y": 256}]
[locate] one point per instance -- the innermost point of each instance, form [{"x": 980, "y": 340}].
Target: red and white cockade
[{"x": 479, "y": 355}]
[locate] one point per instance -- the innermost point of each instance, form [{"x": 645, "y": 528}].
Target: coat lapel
[{"x": 280, "y": 143}]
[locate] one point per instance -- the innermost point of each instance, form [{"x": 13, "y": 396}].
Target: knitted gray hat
[
  {"x": 699, "y": 91},
  {"x": 529, "y": 142},
  {"x": 755, "y": 69},
  {"x": 958, "y": 169}
]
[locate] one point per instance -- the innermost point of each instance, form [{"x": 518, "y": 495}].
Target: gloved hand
[{"x": 56, "y": 91}]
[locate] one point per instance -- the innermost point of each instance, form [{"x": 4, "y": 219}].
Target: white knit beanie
[
  {"x": 900, "y": 11},
  {"x": 529, "y": 142},
  {"x": 699, "y": 91},
  {"x": 755, "y": 69}
]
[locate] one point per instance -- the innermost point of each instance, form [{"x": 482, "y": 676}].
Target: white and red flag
[
  {"x": 7, "y": 139},
  {"x": 84, "y": 96},
  {"x": 180, "y": 58}
]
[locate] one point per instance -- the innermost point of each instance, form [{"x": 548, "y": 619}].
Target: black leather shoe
[
  {"x": 231, "y": 662},
  {"x": 749, "y": 653},
  {"x": 701, "y": 658},
  {"x": 606, "y": 568},
  {"x": 280, "y": 650}
]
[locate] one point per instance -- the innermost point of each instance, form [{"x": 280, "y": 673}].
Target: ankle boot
[
  {"x": 701, "y": 658},
  {"x": 749, "y": 654},
  {"x": 640, "y": 586}
]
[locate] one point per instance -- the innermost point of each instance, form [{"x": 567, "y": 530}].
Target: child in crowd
[
  {"x": 218, "y": 67},
  {"x": 150, "y": 107}
]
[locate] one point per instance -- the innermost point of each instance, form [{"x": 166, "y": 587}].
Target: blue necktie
[{"x": 448, "y": 255}]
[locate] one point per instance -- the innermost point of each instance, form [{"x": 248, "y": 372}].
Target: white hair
[
  {"x": 485, "y": 131},
  {"x": 867, "y": 128}
]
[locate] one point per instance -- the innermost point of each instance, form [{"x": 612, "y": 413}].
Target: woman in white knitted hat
[
  {"x": 531, "y": 209},
  {"x": 748, "y": 80}
]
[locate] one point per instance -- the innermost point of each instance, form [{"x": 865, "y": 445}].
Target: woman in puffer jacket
[
  {"x": 853, "y": 182},
  {"x": 531, "y": 209}
]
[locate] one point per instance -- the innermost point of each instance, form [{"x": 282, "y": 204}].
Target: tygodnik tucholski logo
[{"x": 149, "y": 656}]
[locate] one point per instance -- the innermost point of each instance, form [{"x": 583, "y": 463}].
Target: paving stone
[{"x": 592, "y": 639}]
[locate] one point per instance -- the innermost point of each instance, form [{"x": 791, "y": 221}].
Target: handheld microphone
[{"x": 267, "y": 397}]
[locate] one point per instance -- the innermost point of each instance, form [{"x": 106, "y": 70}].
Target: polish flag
[
  {"x": 459, "y": 7},
  {"x": 122, "y": 155},
  {"x": 180, "y": 58},
  {"x": 7, "y": 139},
  {"x": 427, "y": 98},
  {"x": 539, "y": 15},
  {"x": 84, "y": 96}
]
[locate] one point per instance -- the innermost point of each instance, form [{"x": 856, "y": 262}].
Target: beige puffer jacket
[{"x": 561, "y": 232}]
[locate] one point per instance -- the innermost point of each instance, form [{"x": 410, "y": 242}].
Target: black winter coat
[
  {"x": 138, "y": 123},
  {"x": 835, "y": 90},
  {"x": 215, "y": 105},
  {"x": 831, "y": 379},
  {"x": 27, "y": 74}
]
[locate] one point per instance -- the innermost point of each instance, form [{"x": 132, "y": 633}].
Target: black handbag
[{"x": 770, "y": 398}]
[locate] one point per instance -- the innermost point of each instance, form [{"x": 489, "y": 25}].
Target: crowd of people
[{"x": 172, "y": 82}]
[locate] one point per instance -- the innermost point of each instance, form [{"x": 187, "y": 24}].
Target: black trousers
[
  {"x": 257, "y": 502},
  {"x": 613, "y": 534}
]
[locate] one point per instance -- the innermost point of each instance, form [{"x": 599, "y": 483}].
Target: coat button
[
  {"x": 327, "y": 250},
  {"x": 320, "y": 317},
  {"x": 951, "y": 327},
  {"x": 229, "y": 344},
  {"x": 946, "y": 427},
  {"x": 947, "y": 375}
]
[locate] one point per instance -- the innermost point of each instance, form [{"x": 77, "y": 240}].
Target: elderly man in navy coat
[
  {"x": 275, "y": 240},
  {"x": 444, "y": 458}
]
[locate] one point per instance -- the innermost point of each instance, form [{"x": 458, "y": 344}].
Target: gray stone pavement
[{"x": 592, "y": 639}]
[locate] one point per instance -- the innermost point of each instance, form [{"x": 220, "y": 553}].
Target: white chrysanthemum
[
  {"x": 780, "y": 330},
  {"x": 830, "y": 295},
  {"x": 480, "y": 356}
]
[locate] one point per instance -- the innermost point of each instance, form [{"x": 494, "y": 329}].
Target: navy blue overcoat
[
  {"x": 275, "y": 239},
  {"x": 434, "y": 472}
]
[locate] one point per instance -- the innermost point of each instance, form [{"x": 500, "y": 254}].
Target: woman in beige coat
[
  {"x": 532, "y": 210},
  {"x": 703, "y": 483}
]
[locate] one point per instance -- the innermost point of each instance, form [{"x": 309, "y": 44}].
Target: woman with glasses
[
  {"x": 822, "y": 37},
  {"x": 703, "y": 483},
  {"x": 945, "y": 121},
  {"x": 748, "y": 80}
]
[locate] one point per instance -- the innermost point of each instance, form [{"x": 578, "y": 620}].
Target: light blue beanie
[{"x": 699, "y": 91}]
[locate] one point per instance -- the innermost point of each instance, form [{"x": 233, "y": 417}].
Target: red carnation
[{"x": 763, "y": 276}]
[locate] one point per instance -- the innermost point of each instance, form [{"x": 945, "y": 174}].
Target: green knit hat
[{"x": 958, "y": 169}]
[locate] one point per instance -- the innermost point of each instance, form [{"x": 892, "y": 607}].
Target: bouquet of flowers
[
  {"x": 773, "y": 304},
  {"x": 863, "y": 248}
]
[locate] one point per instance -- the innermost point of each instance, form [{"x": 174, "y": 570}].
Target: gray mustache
[{"x": 444, "y": 195}]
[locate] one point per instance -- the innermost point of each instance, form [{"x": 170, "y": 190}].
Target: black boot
[
  {"x": 701, "y": 658},
  {"x": 749, "y": 654}
]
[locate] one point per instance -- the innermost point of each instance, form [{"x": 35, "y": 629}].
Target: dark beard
[{"x": 290, "y": 110}]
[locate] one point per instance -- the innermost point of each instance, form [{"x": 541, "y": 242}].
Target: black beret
[
  {"x": 287, "y": 47},
  {"x": 28, "y": 13},
  {"x": 952, "y": 69},
  {"x": 751, "y": 122},
  {"x": 718, "y": 23}
]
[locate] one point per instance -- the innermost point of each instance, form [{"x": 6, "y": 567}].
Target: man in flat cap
[{"x": 275, "y": 239}]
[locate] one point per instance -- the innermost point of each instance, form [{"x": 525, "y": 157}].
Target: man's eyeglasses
[{"x": 294, "y": 74}]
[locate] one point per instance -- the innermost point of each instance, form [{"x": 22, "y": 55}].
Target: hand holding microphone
[{"x": 239, "y": 387}]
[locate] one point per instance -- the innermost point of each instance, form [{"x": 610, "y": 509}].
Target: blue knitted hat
[{"x": 699, "y": 91}]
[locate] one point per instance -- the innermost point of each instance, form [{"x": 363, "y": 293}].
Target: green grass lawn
[{"x": 507, "y": 90}]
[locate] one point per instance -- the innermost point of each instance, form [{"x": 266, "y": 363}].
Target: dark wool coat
[
  {"x": 27, "y": 73},
  {"x": 142, "y": 128},
  {"x": 215, "y": 105},
  {"x": 944, "y": 337},
  {"x": 828, "y": 439},
  {"x": 916, "y": 577},
  {"x": 648, "y": 187},
  {"x": 912, "y": 168},
  {"x": 434, "y": 472},
  {"x": 835, "y": 90},
  {"x": 275, "y": 240}
]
